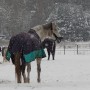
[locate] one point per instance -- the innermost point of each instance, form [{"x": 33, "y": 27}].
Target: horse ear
[{"x": 54, "y": 25}]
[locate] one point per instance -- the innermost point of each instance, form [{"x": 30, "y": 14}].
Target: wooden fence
[{"x": 80, "y": 49}]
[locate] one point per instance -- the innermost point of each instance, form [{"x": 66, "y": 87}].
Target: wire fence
[{"x": 80, "y": 49}]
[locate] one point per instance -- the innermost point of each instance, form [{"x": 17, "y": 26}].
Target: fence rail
[{"x": 74, "y": 49}]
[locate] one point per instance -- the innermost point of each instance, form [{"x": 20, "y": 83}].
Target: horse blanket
[{"x": 28, "y": 44}]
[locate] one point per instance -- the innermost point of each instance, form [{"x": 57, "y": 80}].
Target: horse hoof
[
  {"x": 38, "y": 80},
  {"x": 27, "y": 80},
  {"x": 19, "y": 82}
]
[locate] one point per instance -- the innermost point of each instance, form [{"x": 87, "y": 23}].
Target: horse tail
[{"x": 18, "y": 67}]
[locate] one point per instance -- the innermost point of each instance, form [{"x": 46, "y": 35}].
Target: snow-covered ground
[{"x": 66, "y": 72}]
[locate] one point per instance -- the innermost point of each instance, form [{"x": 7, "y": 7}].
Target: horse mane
[
  {"x": 32, "y": 31},
  {"x": 43, "y": 26},
  {"x": 47, "y": 26}
]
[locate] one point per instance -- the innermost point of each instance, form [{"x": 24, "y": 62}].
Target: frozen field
[{"x": 66, "y": 72}]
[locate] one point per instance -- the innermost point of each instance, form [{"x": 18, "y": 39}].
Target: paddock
[{"x": 66, "y": 72}]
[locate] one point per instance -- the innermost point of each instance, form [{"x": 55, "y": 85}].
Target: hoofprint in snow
[{"x": 66, "y": 72}]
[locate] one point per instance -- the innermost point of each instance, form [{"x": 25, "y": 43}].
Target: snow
[{"x": 66, "y": 72}]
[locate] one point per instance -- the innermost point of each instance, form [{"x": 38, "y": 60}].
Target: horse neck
[
  {"x": 40, "y": 35},
  {"x": 39, "y": 30}
]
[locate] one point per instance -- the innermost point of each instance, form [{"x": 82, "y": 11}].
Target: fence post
[
  {"x": 64, "y": 50},
  {"x": 77, "y": 49}
]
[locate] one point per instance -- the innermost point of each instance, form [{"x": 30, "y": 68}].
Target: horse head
[
  {"x": 47, "y": 30},
  {"x": 53, "y": 32}
]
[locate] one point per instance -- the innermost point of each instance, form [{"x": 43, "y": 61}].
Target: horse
[
  {"x": 22, "y": 43},
  {"x": 50, "y": 45}
]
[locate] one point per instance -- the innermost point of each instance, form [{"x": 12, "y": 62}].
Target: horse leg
[
  {"x": 3, "y": 59},
  {"x": 38, "y": 69},
  {"x": 53, "y": 51},
  {"x": 28, "y": 72},
  {"x": 24, "y": 65},
  {"x": 53, "y": 55},
  {"x": 23, "y": 72},
  {"x": 48, "y": 51},
  {"x": 18, "y": 67}
]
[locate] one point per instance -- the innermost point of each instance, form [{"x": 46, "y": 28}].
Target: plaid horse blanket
[{"x": 29, "y": 44}]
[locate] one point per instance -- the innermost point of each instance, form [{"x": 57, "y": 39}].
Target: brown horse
[{"x": 42, "y": 31}]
